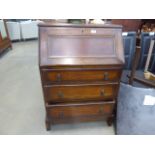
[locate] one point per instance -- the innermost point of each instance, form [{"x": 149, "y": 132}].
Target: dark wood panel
[
  {"x": 81, "y": 46},
  {"x": 99, "y": 47},
  {"x": 128, "y": 24},
  {"x": 5, "y": 42}
]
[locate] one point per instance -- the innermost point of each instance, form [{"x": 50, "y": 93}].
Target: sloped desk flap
[{"x": 82, "y": 45}]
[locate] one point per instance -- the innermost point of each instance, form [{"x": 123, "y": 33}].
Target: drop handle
[
  {"x": 58, "y": 77},
  {"x": 102, "y": 92},
  {"x": 60, "y": 94},
  {"x": 101, "y": 110},
  {"x": 106, "y": 76}
]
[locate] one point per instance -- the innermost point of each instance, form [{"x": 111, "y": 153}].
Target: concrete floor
[{"x": 21, "y": 100}]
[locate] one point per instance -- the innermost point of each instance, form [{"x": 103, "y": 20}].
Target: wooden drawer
[
  {"x": 59, "y": 93},
  {"x": 81, "y": 110},
  {"x": 50, "y": 76}
]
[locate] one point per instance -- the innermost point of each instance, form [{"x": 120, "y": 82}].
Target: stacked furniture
[
  {"x": 80, "y": 67},
  {"x": 4, "y": 37}
]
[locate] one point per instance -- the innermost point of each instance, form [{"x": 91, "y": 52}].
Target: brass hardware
[
  {"x": 60, "y": 94},
  {"x": 101, "y": 110},
  {"x": 102, "y": 92},
  {"x": 106, "y": 76},
  {"x": 58, "y": 77}
]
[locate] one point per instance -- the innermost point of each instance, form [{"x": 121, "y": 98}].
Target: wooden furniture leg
[
  {"x": 48, "y": 123},
  {"x": 110, "y": 120}
]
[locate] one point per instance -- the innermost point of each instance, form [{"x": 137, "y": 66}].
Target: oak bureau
[{"x": 80, "y": 68}]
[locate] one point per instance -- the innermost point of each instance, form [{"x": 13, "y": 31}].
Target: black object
[{"x": 129, "y": 42}]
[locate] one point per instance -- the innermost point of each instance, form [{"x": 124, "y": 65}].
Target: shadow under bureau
[{"x": 80, "y": 68}]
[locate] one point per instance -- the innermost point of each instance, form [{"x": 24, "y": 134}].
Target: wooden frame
[
  {"x": 141, "y": 79},
  {"x": 5, "y": 42},
  {"x": 148, "y": 75}
]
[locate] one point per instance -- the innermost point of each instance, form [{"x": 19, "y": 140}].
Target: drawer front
[
  {"x": 81, "y": 111},
  {"x": 79, "y": 92},
  {"x": 85, "y": 75}
]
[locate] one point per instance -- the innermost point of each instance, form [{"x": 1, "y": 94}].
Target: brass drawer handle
[
  {"x": 101, "y": 110},
  {"x": 102, "y": 92},
  {"x": 106, "y": 76},
  {"x": 58, "y": 77},
  {"x": 60, "y": 94}
]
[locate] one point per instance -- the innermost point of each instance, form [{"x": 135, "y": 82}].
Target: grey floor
[{"x": 21, "y": 101}]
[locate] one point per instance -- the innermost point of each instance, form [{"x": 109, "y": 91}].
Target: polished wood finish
[
  {"x": 51, "y": 76},
  {"x": 80, "y": 38},
  {"x": 58, "y": 93},
  {"x": 80, "y": 110},
  {"x": 5, "y": 42},
  {"x": 80, "y": 68}
]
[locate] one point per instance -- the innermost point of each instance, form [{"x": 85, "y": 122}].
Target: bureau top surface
[
  {"x": 50, "y": 24},
  {"x": 69, "y": 44}
]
